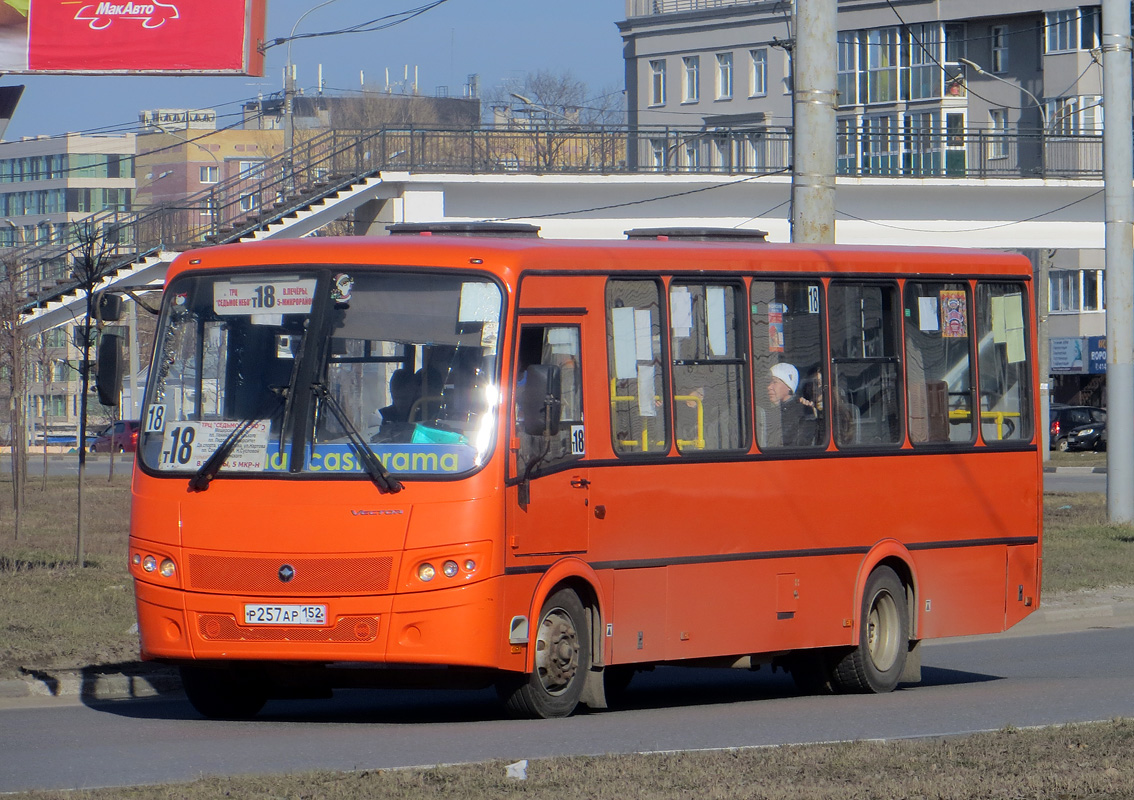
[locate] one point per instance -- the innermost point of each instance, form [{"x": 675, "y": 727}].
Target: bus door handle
[{"x": 580, "y": 483}]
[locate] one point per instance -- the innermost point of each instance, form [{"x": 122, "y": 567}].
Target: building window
[
  {"x": 882, "y": 65},
  {"x": 848, "y": 68},
  {"x": 693, "y": 155},
  {"x": 1074, "y": 116},
  {"x": 1093, "y": 290},
  {"x": 954, "y": 42},
  {"x": 724, "y": 76},
  {"x": 1090, "y": 27},
  {"x": 1063, "y": 290},
  {"x": 998, "y": 133},
  {"x": 690, "y": 87},
  {"x": 210, "y": 174},
  {"x": 1061, "y": 30},
  {"x": 925, "y": 57},
  {"x": 250, "y": 169},
  {"x": 881, "y": 150},
  {"x": 1073, "y": 291},
  {"x": 248, "y": 202},
  {"x": 759, "y": 84},
  {"x": 999, "y": 38},
  {"x": 657, "y": 153},
  {"x": 846, "y": 145},
  {"x": 657, "y": 83}
]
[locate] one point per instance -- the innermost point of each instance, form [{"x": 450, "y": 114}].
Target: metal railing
[
  {"x": 332, "y": 160},
  {"x": 642, "y": 8}
]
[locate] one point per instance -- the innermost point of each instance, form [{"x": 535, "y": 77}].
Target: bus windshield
[{"x": 303, "y": 372}]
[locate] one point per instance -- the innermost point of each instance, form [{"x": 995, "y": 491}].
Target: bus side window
[
  {"x": 939, "y": 373},
  {"x": 788, "y": 363},
  {"x": 1004, "y": 374},
  {"x": 556, "y": 345},
  {"x": 866, "y": 380},
  {"x": 709, "y": 385},
  {"x": 638, "y": 409}
]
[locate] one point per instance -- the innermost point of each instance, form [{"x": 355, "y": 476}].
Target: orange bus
[{"x": 544, "y": 465}]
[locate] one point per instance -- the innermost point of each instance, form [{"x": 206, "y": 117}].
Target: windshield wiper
[
  {"x": 204, "y": 476},
  {"x": 374, "y": 468}
]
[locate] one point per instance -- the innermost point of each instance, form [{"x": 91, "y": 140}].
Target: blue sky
[{"x": 498, "y": 39}]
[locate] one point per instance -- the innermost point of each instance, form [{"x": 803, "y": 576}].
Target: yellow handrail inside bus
[
  {"x": 961, "y": 415},
  {"x": 698, "y": 443}
]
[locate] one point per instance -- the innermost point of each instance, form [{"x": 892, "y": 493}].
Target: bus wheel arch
[
  {"x": 564, "y": 647},
  {"x": 877, "y": 662}
]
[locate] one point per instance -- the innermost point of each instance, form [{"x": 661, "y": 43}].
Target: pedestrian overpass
[{"x": 589, "y": 187}]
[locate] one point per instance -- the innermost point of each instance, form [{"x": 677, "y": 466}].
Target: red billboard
[{"x": 212, "y": 37}]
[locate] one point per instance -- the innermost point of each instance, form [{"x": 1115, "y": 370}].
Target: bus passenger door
[{"x": 549, "y": 487}]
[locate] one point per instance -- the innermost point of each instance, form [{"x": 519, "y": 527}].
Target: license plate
[{"x": 256, "y": 614}]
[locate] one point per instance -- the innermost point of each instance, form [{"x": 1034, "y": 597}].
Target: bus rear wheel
[
  {"x": 876, "y": 664},
  {"x": 224, "y": 693},
  {"x": 562, "y": 658}
]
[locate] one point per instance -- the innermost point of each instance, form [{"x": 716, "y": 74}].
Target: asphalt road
[
  {"x": 1037, "y": 678},
  {"x": 1078, "y": 481}
]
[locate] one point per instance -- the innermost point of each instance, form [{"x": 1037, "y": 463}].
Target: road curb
[
  {"x": 131, "y": 681},
  {"x": 139, "y": 680},
  {"x": 1076, "y": 470}
]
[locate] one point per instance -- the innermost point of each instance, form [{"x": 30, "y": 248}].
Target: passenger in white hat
[{"x": 797, "y": 423}]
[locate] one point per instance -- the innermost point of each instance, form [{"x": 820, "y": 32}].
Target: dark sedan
[{"x": 1087, "y": 437}]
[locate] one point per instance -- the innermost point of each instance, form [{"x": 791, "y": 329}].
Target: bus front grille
[
  {"x": 279, "y": 576},
  {"x": 223, "y": 627}
]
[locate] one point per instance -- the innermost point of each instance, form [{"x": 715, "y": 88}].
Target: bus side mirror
[
  {"x": 108, "y": 378},
  {"x": 541, "y": 401}
]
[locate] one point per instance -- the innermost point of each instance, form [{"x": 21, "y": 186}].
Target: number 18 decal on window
[
  {"x": 578, "y": 447},
  {"x": 155, "y": 419}
]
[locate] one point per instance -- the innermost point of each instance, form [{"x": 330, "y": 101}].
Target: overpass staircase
[{"x": 289, "y": 196}]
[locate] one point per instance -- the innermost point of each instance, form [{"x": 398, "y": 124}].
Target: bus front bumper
[{"x": 435, "y": 628}]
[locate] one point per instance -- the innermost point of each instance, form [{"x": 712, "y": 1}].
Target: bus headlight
[
  {"x": 149, "y": 563},
  {"x": 426, "y": 573},
  {"x": 449, "y": 568},
  {"x": 167, "y": 568}
]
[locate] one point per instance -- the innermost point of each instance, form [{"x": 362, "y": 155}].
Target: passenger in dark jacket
[{"x": 797, "y": 422}]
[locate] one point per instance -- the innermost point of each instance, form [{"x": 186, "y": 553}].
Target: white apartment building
[{"x": 960, "y": 89}]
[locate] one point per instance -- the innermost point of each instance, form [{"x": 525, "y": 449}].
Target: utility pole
[
  {"x": 1118, "y": 174},
  {"x": 814, "y": 100}
]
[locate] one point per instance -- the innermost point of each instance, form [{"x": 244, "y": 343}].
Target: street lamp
[
  {"x": 981, "y": 71},
  {"x": 289, "y": 90},
  {"x": 531, "y": 104},
  {"x": 216, "y": 199},
  {"x": 1041, "y": 266}
]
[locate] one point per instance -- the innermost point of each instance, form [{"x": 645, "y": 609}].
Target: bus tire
[
  {"x": 224, "y": 693},
  {"x": 876, "y": 664},
  {"x": 562, "y": 657}
]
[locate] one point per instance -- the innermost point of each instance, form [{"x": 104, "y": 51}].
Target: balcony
[{"x": 644, "y": 8}]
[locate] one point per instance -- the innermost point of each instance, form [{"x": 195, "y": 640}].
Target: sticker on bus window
[
  {"x": 155, "y": 419},
  {"x": 188, "y": 445},
  {"x": 954, "y": 314},
  {"x": 284, "y": 295},
  {"x": 578, "y": 443}
]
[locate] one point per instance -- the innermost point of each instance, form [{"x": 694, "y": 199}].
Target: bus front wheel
[
  {"x": 562, "y": 658},
  {"x": 224, "y": 693},
  {"x": 876, "y": 664}
]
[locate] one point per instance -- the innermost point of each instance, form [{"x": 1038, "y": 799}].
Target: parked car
[
  {"x": 1064, "y": 418},
  {"x": 1087, "y": 437},
  {"x": 125, "y": 437}
]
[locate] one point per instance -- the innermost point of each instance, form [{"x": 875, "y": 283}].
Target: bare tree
[
  {"x": 92, "y": 263},
  {"x": 553, "y": 121},
  {"x": 14, "y": 356},
  {"x": 43, "y": 356}
]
